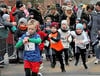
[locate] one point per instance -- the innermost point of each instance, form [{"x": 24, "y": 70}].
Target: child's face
[
  {"x": 31, "y": 29},
  {"x": 77, "y": 21},
  {"x": 8, "y": 19},
  {"x": 53, "y": 29},
  {"x": 68, "y": 11},
  {"x": 29, "y": 6},
  {"x": 84, "y": 25},
  {"x": 64, "y": 26},
  {"x": 53, "y": 11},
  {"x": 22, "y": 24},
  {"x": 47, "y": 28},
  {"x": 48, "y": 20},
  {"x": 79, "y": 30},
  {"x": 22, "y": 8}
]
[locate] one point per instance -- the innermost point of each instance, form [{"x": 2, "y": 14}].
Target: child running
[
  {"x": 31, "y": 41},
  {"x": 80, "y": 40},
  {"x": 56, "y": 46}
]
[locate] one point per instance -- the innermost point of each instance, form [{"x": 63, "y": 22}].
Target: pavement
[{"x": 18, "y": 69}]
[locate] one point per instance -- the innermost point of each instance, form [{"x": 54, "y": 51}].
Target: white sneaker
[
  {"x": 96, "y": 62},
  {"x": 39, "y": 74},
  {"x": 70, "y": 59}
]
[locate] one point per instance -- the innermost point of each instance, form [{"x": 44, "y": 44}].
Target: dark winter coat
[
  {"x": 95, "y": 25},
  {"x": 72, "y": 19},
  {"x": 54, "y": 18},
  {"x": 18, "y": 14},
  {"x": 38, "y": 16}
]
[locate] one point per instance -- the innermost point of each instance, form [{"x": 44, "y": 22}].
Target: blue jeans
[{"x": 97, "y": 52}]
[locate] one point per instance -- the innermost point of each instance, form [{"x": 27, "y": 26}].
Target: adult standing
[
  {"x": 95, "y": 23},
  {"x": 69, "y": 16}
]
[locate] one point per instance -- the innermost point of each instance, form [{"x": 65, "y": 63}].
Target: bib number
[{"x": 29, "y": 46}]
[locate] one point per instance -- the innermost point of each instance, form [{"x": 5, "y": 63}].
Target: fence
[{"x": 6, "y": 50}]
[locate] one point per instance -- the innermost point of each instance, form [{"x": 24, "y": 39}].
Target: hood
[
  {"x": 5, "y": 16},
  {"x": 24, "y": 20},
  {"x": 64, "y": 22}
]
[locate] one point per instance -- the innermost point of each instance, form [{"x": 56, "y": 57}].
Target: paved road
[{"x": 17, "y": 69}]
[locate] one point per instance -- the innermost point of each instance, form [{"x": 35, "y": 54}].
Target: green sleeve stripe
[
  {"x": 35, "y": 40},
  {"x": 19, "y": 44}
]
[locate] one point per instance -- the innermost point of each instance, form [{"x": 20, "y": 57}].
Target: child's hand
[
  {"x": 99, "y": 32},
  {"x": 50, "y": 36},
  {"x": 81, "y": 42},
  {"x": 67, "y": 38},
  {"x": 74, "y": 40},
  {"x": 14, "y": 23},
  {"x": 31, "y": 16},
  {"x": 25, "y": 40}
]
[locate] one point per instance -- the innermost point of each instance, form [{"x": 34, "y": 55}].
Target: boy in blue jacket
[{"x": 32, "y": 57}]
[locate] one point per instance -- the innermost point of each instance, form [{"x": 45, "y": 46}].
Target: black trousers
[
  {"x": 66, "y": 54},
  {"x": 82, "y": 53},
  {"x": 28, "y": 72},
  {"x": 58, "y": 54}
]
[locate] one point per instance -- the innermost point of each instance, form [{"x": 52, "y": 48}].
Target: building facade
[{"x": 8, "y": 2}]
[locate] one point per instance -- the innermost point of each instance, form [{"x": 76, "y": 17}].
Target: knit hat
[
  {"x": 29, "y": 3},
  {"x": 19, "y": 4},
  {"x": 53, "y": 6},
  {"x": 98, "y": 3},
  {"x": 5, "y": 16},
  {"x": 64, "y": 22},
  {"x": 22, "y": 20},
  {"x": 78, "y": 19},
  {"x": 3, "y": 5},
  {"x": 68, "y": 8},
  {"x": 66, "y": 1},
  {"x": 55, "y": 24},
  {"x": 79, "y": 25}
]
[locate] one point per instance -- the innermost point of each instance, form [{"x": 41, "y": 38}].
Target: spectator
[
  {"x": 19, "y": 13},
  {"x": 95, "y": 23},
  {"x": 69, "y": 16},
  {"x": 22, "y": 28},
  {"x": 53, "y": 14}
]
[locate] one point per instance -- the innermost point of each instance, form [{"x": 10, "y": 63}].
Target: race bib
[
  {"x": 46, "y": 43},
  {"x": 29, "y": 46}
]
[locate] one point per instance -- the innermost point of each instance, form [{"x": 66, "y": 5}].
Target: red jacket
[
  {"x": 11, "y": 16},
  {"x": 42, "y": 35},
  {"x": 10, "y": 39}
]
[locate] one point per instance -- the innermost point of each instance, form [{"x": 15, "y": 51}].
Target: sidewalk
[{"x": 18, "y": 69}]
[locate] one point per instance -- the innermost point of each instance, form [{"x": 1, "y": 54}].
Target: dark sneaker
[
  {"x": 67, "y": 63},
  {"x": 53, "y": 65},
  {"x": 1, "y": 66},
  {"x": 76, "y": 63},
  {"x": 85, "y": 66},
  {"x": 63, "y": 70}
]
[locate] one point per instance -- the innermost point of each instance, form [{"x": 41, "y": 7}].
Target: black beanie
[
  {"x": 3, "y": 5},
  {"x": 98, "y": 3},
  {"x": 19, "y": 4}
]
